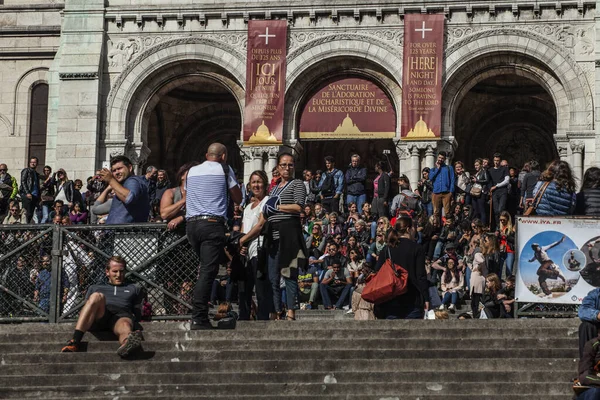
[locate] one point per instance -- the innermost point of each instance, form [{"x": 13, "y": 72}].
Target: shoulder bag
[
  {"x": 536, "y": 200},
  {"x": 390, "y": 282}
]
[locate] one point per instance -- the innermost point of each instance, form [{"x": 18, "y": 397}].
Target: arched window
[{"x": 38, "y": 121}]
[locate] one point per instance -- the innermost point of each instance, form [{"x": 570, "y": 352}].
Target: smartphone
[{"x": 106, "y": 164}]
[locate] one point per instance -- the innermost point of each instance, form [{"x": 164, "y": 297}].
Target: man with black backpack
[
  {"x": 406, "y": 202},
  {"x": 331, "y": 186}
]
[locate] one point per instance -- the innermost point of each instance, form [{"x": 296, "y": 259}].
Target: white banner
[{"x": 559, "y": 259}]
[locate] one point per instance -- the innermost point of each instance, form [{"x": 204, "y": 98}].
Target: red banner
[
  {"x": 265, "y": 82},
  {"x": 422, "y": 76},
  {"x": 349, "y": 108}
]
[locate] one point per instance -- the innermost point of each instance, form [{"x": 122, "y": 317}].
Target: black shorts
[{"x": 109, "y": 319}]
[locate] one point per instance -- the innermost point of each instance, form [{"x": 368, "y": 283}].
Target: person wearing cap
[
  {"x": 424, "y": 190},
  {"x": 308, "y": 283}
]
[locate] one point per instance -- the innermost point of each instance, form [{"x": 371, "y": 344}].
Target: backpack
[
  {"x": 410, "y": 203},
  {"x": 328, "y": 186}
]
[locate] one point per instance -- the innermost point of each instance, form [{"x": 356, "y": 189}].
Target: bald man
[{"x": 209, "y": 188}]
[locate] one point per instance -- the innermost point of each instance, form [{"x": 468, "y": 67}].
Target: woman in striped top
[{"x": 285, "y": 252}]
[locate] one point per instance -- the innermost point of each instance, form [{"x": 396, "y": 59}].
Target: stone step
[
  {"x": 199, "y": 396},
  {"x": 384, "y": 389},
  {"x": 297, "y": 331},
  {"x": 268, "y": 344},
  {"x": 162, "y": 326},
  {"x": 118, "y": 366},
  {"x": 312, "y": 377},
  {"x": 344, "y": 353}
]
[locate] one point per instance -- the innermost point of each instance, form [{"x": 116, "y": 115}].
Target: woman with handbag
[
  {"x": 479, "y": 191},
  {"x": 255, "y": 265},
  {"x": 404, "y": 251},
  {"x": 554, "y": 194}
]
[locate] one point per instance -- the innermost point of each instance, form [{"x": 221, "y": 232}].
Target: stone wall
[{"x": 127, "y": 50}]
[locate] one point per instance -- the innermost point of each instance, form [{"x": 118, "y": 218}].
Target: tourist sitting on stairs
[{"x": 111, "y": 306}]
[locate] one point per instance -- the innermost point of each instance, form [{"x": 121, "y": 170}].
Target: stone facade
[{"x": 110, "y": 64}]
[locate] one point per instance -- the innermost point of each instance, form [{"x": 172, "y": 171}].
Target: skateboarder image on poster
[
  {"x": 574, "y": 260},
  {"x": 591, "y": 272},
  {"x": 548, "y": 269}
]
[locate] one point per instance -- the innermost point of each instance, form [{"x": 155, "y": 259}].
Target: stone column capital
[
  {"x": 272, "y": 151},
  {"x": 577, "y": 146}
]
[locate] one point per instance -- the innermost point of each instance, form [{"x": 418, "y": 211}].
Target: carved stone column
[
  {"x": 563, "y": 153},
  {"x": 430, "y": 156},
  {"x": 577, "y": 147},
  {"x": 271, "y": 160},
  {"x": 138, "y": 154},
  {"x": 112, "y": 149},
  {"x": 257, "y": 159},
  {"x": 403, "y": 157},
  {"x": 415, "y": 164}
]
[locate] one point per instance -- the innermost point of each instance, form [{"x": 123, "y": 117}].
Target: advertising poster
[
  {"x": 265, "y": 82},
  {"x": 558, "y": 259},
  {"x": 350, "y": 108},
  {"x": 422, "y": 76}
]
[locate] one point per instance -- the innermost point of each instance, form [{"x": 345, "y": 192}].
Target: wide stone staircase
[{"x": 322, "y": 355}]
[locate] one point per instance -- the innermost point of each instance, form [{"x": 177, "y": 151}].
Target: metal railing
[{"x": 45, "y": 271}]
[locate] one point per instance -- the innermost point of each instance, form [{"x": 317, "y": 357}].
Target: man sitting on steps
[{"x": 111, "y": 306}]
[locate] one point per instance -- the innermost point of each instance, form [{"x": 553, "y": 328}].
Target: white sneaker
[
  {"x": 442, "y": 307},
  {"x": 350, "y": 312},
  {"x": 452, "y": 308},
  {"x": 346, "y": 308}
]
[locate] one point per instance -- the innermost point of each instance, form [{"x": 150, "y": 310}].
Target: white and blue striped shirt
[{"x": 206, "y": 190}]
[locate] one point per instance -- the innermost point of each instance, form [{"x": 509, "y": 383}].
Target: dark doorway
[
  {"x": 509, "y": 114},
  {"x": 38, "y": 122},
  {"x": 188, "y": 119},
  {"x": 370, "y": 152}
]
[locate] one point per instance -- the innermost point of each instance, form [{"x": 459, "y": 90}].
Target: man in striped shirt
[{"x": 208, "y": 190}]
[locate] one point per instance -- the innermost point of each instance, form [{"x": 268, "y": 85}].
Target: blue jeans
[
  {"x": 510, "y": 263},
  {"x": 468, "y": 278},
  {"x": 359, "y": 200},
  {"x": 291, "y": 283},
  {"x": 373, "y": 229},
  {"x": 450, "y": 298},
  {"x": 45, "y": 214},
  {"x": 590, "y": 394},
  {"x": 439, "y": 247},
  {"x": 341, "y": 292},
  {"x": 428, "y": 208}
]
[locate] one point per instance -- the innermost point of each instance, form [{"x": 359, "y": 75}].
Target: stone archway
[
  {"x": 528, "y": 54},
  {"x": 341, "y": 55},
  {"x": 160, "y": 70}
]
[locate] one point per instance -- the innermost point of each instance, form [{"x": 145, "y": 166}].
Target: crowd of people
[{"x": 338, "y": 225}]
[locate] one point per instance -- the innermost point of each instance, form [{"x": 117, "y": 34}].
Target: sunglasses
[
  {"x": 14, "y": 209},
  {"x": 2, "y": 170},
  {"x": 503, "y": 220},
  {"x": 380, "y": 223}
]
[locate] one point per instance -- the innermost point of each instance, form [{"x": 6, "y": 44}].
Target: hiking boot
[
  {"x": 71, "y": 347},
  {"x": 131, "y": 344}
]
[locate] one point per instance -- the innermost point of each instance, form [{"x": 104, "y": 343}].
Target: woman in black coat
[
  {"x": 409, "y": 255},
  {"x": 588, "y": 199}
]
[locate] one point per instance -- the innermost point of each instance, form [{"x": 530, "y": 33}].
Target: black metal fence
[{"x": 45, "y": 271}]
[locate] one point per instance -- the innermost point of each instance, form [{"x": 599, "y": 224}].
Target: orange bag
[{"x": 391, "y": 281}]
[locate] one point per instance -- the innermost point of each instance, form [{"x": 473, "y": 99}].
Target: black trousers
[
  {"x": 475, "y": 300},
  {"x": 208, "y": 241},
  {"x": 331, "y": 204},
  {"x": 587, "y": 331},
  {"x": 499, "y": 197},
  {"x": 264, "y": 293},
  {"x": 29, "y": 205}
]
